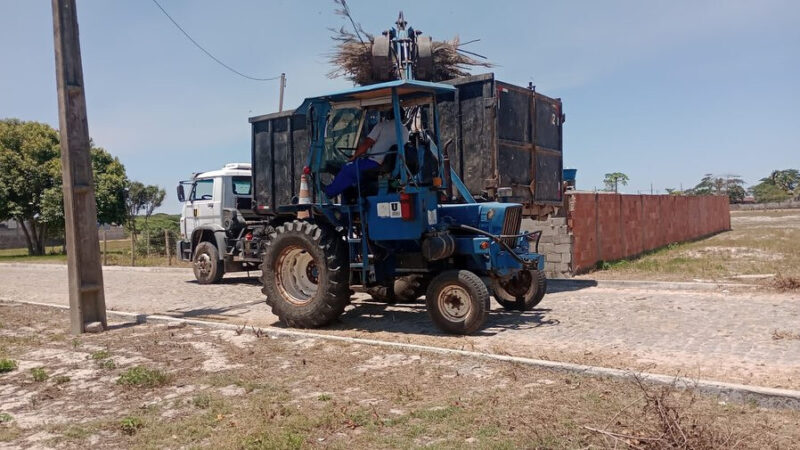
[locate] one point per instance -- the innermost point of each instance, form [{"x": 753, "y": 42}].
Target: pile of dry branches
[{"x": 352, "y": 56}]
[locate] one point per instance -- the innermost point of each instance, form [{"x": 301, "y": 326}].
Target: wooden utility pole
[
  {"x": 86, "y": 296},
  {"x": 283, "y": 85}
]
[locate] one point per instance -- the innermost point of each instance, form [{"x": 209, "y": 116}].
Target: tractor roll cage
[{"x": 412, "y": 92}]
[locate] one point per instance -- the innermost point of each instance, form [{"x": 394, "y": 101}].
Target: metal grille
[{"x": 511, "y": 224}]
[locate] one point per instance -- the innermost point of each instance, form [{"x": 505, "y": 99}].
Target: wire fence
[{"x": 149, "y": 247}]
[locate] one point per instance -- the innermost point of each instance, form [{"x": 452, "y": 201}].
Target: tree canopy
[
  {"x": 614, "y": 179},
  {"x": 30, "y": 181},
  {"x": 780, "y": 185}
]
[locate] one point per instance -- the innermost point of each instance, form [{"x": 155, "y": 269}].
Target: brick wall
[{"x": 608, "y": 227}]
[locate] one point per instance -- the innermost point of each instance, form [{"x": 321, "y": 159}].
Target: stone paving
[{"x": 742, "y": 336}]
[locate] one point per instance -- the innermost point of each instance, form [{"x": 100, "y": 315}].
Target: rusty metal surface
[
  {"x": 279, "y": 152},
  {"x": 505, "y": 136}
]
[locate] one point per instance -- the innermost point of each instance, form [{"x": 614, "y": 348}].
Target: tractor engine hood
[{"x": 493, "y": 217}]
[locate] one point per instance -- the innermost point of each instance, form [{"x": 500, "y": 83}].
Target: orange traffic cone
[{"x": 304, "y": 198}]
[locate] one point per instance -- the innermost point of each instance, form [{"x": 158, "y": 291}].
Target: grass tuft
[
  {"x": 61, "y": 379},
  {"x": 39, "y": 374},
  {"x": 130, "y": 425},
  {"x": 7, "y": 365},
  {"x": 143, "y": 377},
  {"x": 100, "y": 354},
  {"x": 6, "y": 417}
]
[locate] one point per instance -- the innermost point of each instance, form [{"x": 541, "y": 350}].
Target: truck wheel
[
  {"x": 208, "y": 269},
  {"x": 458, "y": 301},
  {"x": 305, "y": 274},
  {"x": 522, "y": 292}
]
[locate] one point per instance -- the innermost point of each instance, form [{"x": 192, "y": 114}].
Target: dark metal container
[{"x": 504, "y": 136}]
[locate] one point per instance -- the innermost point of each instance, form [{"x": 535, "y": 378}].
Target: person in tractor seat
[{"x": 369, "y": 154}]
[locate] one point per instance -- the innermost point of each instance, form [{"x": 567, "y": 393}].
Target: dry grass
[
  {"x": 241, "y": 391},
  {"x": 352, "y": 58},
  {"x": 763, "y": 246}
]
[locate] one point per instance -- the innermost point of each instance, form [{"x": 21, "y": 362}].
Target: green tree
[
  {"x": 153, "y": 197},
  {"x": 30, "y": 182},
  {"x": 780, "y": 185},
  {"x": 767, "y": 191},
  {"x": 142, "y": 198},
  {"x": 613, "y": 180},
  {"x": 730, "y": 185},
  {"x": 134, "y": 203}
]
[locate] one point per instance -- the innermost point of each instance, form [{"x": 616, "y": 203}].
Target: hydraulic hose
[{"x": 462, "y": 227}]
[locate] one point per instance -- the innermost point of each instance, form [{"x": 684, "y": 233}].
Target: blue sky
[{"x": 664, "y": 91}]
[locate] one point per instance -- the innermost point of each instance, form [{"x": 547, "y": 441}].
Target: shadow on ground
[
  {"x": 236, "y": 281},
  {"x": 569, "y": 285}
]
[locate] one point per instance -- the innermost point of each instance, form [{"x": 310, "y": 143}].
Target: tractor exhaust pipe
[{"x": 447, "y": 178}]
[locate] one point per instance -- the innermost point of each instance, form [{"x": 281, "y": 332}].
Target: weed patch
[
  {"x": 143, "y": 377},
  {"x": 130, "y": 425},
  {"x": 100, "y": 354},
  {"x": 39, "y": 374},
  {"x": 7, "y": 365}
]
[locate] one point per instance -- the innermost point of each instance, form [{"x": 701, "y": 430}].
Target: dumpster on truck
[{"x": 505, "y": 144}]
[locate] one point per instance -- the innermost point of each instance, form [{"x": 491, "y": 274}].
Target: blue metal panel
[{"x": 385, "y": 221}]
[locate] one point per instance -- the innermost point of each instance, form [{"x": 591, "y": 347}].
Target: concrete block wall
[{"x": 555, "y": 244}]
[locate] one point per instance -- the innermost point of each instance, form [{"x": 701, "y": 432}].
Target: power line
[{"x": 209, "y": 53}]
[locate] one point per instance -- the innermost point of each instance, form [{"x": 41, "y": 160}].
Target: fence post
[
  {"x": 147, "y": 243},
  {"x": 105, "y": 247},
  {"x": 133, "y": 248},
  {"x": 166, "y": 247}
]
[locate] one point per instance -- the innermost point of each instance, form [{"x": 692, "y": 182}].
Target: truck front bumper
[{"x": 184, "y": 250}]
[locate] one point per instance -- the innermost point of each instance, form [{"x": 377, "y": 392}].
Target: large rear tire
[
  {"x": 208, "y": 268},
  {"x": 522, "y": 292},
  {"x": 458, "y": 301},
  {"x": 305, "y": 274}
]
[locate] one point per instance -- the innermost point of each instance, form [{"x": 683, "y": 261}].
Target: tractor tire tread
[{"x": 331, "y": 299}]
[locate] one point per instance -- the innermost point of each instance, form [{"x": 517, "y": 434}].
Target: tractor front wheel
[
  {"x": 521, "y": 292},
  {"x": 305, "y": 274},
  {"x": 458, "y": 301}
]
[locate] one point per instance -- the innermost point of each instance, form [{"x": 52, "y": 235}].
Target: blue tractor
[{"x": 402, "y": 218}]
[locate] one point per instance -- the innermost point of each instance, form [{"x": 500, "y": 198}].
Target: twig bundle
[{"x": 352, "y": 58}]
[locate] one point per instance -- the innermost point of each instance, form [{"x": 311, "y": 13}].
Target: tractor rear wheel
[
  {"x": 458, "y": 301},
  {"x": 305, "y": 274},
  {"x": 521, "y": 292}
]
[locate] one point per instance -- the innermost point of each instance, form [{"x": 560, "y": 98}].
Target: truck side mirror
[{"x": 181, "y": 195}]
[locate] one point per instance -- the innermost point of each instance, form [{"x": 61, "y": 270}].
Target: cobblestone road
[{"x": 728, "y": 336}]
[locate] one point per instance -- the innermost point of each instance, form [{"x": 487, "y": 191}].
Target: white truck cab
[{"x": 205, "y": 198}]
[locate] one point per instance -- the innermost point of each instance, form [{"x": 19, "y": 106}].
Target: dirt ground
[
  {"x": 726, "y": 335},
  {"x": 762, "y": 246},
  {"x": 151, "y": 386}
]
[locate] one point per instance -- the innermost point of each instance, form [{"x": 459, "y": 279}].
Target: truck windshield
[
  {"x": 241, "y": 185},
  {"x": 341, "y": 134}
]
